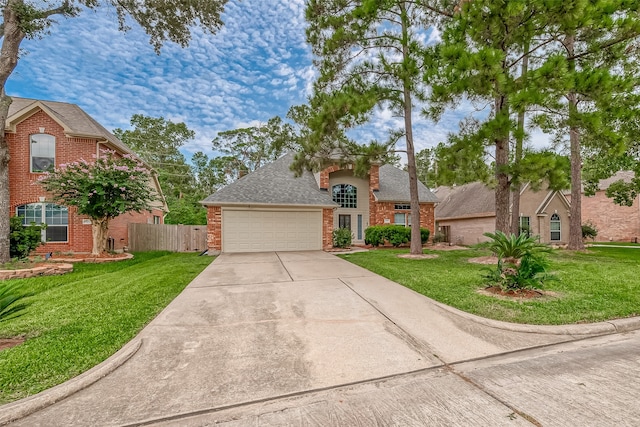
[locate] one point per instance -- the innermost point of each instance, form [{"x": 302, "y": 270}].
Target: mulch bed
[
  {"x": 423, "y": 256},
  {"x": 518, "y": 295},
  {"x": 86, "y": 257},
  {"x": 488, "y": 260}
]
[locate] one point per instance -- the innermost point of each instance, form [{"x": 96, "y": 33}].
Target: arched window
[
  {"x": 346, "y": 195},
  {"x": 56, "y": 218},
  {"x": 555, "y": 227},
  {"x": 43, "y": 152}
]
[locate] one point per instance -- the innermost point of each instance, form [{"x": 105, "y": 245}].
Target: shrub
[
  {"x": 373, "y": 235},
  {"x": 341, "y": 238},
  {"x": 438, "y": 237},
  {"x": 589, "y": 231},
  {"x": 522, "y": 262},
  {"x": 424, "y": 235},
  {"x": 23, "y": 240}
]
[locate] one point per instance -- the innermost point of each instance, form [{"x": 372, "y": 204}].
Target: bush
[
  {"x": 589, "y": 231},
  {"x": 341, "y": 238},
  {"x": 424, "y": 235},
  {"x": 23, "y": 240},
  {"x": 522, "y": 262},
  {"x": 396, "y": 235},
  {"x": 438, "y": 237}
]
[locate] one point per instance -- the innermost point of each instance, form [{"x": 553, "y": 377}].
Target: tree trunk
[
  {"x": 502, "y": 162},
  {"x": 12, "y": 37},
  {"x": 416, "y": 241},
  {"x": 99, "y": 230},
  {"x": 515, "y": 181},
  {"x": 575, "y": 221}
]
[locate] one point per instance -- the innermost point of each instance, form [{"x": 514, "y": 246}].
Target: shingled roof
[
  {"x": 394, "y": 187},
  {"x": 469, "y": 200},
  {"x": 72, "y": 118},
  {"x": 273, "y": 184}
]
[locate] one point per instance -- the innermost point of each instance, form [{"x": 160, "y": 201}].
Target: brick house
[
  {"x": 613, "y": 222},
  {"x": 272, "y": 210},
  {"x": 42, "y": 135},
  {"x": 467, "y": 211}
]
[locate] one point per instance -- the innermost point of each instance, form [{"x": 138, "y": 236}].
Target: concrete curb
[
  {"x": 21, "y": 408},
  {"x": 600, "y": 328}
]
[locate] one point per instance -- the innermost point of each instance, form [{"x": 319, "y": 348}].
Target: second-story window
[{"x": 43, "y": 152}]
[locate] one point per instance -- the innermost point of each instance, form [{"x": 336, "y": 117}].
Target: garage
[{"x": 251, "y": 230}]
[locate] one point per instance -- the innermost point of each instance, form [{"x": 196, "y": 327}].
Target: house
[
  {"x": 42, "y": 135},
  {"x": 272, "y": 210},
  {"x": 613, "y": 222},
  {"x": 466, "y": 212}
]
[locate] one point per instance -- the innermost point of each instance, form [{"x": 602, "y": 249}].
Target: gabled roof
[
  {"x": 273, "y": 184},
  {"x": 468, "y": 200},
  {"x": 74, "y": 121},
  {"x": 394, "y": 187}
]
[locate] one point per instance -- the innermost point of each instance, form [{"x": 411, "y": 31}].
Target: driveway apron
[{"x": 254, "y": 327}]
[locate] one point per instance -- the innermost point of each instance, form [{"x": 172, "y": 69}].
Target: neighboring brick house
[
  {"x": 613, "y": 222},
  {"x": 45, "y": 134},
  {"x": 466, "y": 212},
  {"x": 272, "y": 210}
]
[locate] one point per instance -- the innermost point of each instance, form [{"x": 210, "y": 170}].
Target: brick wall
[
  {"x": 214, "y": 229},
  {"x": 613, "y": 222},
  {"x": 379, "y": 211},
  {"x": 324, "y": 176},
  {"x": 327, "y": 228}
]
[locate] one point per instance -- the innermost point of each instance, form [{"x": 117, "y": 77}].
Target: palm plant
[
  {"x": 512, "y": 247},
  {"x": 10, "y": 301}
]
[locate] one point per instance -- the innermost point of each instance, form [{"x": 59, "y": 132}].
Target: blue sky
[{"x": 254, "y": 68}]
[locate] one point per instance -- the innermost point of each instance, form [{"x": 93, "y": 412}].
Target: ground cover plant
[
  {"x": 75, "y": 321},
  {"x": 592, "y": 286}
]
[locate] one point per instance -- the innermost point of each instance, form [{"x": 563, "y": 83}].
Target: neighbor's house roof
[
  {"x": 76, "y": 123},
  {"x": 394, "y": 187},
  {"x": 273, "y": 184},
  {"x": 465, "y": 201}
]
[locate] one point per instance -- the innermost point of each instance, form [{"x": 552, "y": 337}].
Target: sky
[{"x": 256, "y": 67}]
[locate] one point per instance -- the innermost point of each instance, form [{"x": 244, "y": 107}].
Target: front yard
[
  {"x": 75, "y": 321},
  {"x": 601, "y": 284}
]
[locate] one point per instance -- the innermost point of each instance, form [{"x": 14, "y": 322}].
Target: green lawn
[
  {"x": 75, "y": 321},
  {"x": 602, "y": 284}
]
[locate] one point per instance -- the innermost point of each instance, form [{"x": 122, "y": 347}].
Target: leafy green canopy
[{"x": 103, "y": 189}]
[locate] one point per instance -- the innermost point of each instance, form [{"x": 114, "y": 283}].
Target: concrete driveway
[{"x": 254, "y": 328}]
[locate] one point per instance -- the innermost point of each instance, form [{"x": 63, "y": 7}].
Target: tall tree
[
  {"x": 369, "y": 55},
  {"x": 22, "y": 19},
  {"x": 157, "y": 141},
  {"x": 478, "y": 60},
  {"x": 594, "y": 84},
  {"x": 245, "y": 150}
]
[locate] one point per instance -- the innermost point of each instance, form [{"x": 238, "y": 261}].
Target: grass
[
  {"x": 593, "y": 286},
  {"x": 75, "y": 321}
]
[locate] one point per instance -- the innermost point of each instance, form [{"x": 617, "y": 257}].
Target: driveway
[{"x": 256, "y": 328}]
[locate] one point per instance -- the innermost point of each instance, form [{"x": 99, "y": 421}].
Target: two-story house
[{"x": 42, "y": 135}]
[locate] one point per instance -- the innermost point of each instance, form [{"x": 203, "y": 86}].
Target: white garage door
[{"x": 263, "y": 231}]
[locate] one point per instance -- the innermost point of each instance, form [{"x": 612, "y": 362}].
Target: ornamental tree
[
  {"x": 161, "y": 20},
  {"x": 103, "y": 189}
]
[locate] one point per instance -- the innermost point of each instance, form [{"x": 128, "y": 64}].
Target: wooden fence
[{"x": 166, "y": 237}]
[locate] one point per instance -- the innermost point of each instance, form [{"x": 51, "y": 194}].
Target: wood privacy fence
[{"x": 165, "y": 237}]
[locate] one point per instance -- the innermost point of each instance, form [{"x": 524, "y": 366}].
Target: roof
[
  {"x": 468, "y": 200},
  {"x": 626, "y": 176},
  {"x": 75, "y": 121},
  {"x": 394, "y": 187},
  {"x": 273, "y": 184}
]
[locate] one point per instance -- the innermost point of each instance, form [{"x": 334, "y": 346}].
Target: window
[
  {"x": 525, "y": 225},
  {"x": 402, "y": 219},
  {"x": 555, "y": 227},
  {"x": 56, "y": 218},
  {"x": 402, "y": 207},
  {"x": 156, "y": 219},
  {"x": 346, "y": 195},
  {"x": 43, "y": 152},
  {"x": 344, "y": 221}
]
